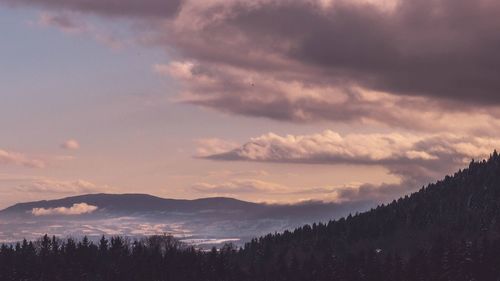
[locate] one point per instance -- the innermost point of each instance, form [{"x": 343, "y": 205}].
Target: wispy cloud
[
  {"x": 76, "y": 209},
  {"x": 19, "y": 159},
  {"x": 210, "y": 146},
  {"x": 47, "y": 185},
  {"x": 353, "y": 192},
  {"x": 61, "y": 21},
  {"x": 72, "y": 23},
  {"x": 363, "y": 192},
  {"x": 239, "y": 186}
]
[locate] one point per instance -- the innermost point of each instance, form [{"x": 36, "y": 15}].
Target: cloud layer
[
  {"x": 128, "y": 8},
  {"x": 434, "y": 48},
  {"x": 415, "y": 159},
  {"x": 46, "y": 185},
  {"x": 239, "y": 186},
  {"x": 396, "y": 62},
  {"x": 346, "y": 61},
  {"x": 76, "y": 209},
  {"x": 330, "y": 147}
]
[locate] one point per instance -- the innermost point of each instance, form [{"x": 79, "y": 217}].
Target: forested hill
[
  {"x": 448, "y": 230},
  {"x": 465, "y": 206}
]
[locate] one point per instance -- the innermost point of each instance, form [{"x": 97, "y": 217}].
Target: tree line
[{"x": 164, "y": 258}]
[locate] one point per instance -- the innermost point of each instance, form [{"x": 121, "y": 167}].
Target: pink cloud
[
  {"x": 19, "y": 159},
  {"x": 71, "y": 144}
]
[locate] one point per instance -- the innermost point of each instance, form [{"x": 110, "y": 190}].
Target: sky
[{"x": 276, "y": 101}]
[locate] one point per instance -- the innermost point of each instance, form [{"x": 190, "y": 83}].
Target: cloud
[
  {"x": 46, "y": 185},
  {"x": 398, "y": 63},
  {"x": 307, "y": 61},
  {"x": 364, "y": 192},
  {"x": 18, "y": 159},
  {"x": 71, "y": 144},
  {"x": 415, "y": 159},
  {"x": 330, "y": 147},
  {"x": 72, "y": 24},
  {"x": 354, "y": 192},
  {"x": 61, "y": 21},
  {"x": 239, "y": 186},
  {"x": 239, "y": 174},
  {"x": 210, "y": 146},
  {"x": 419, "y": 48},
  {"x": 76, "y": 209},
  {"x": 127, "y": 8}
]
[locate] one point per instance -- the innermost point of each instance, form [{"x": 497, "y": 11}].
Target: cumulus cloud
[
  {"x": 239, "y": 186},
  {"x": 71, "y": 144},
  {"x": 76, "y": 209},
  {"x": 46, "y": 185},
  {"x": 19, "y": 159},
  {"x": 415, "y": 159},
  {"x": 330, "y": 147}
]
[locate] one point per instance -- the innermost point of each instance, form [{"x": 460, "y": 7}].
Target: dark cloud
[
  {"x": 134, "y": 8},
  {"x": 437, "y": 48},
  {"x": 308, "y": 60},
  {"x": 441, "y": 50}
]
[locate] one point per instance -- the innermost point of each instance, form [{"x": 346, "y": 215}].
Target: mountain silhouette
[{"x": 136, "y": 203}]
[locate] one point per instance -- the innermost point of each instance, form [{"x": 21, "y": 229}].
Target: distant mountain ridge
[
  {"x": 135, "y": 202},
  {"x": 215, "y": 218}
]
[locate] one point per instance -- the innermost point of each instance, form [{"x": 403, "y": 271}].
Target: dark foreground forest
[{"x": 449, "y": 230}]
